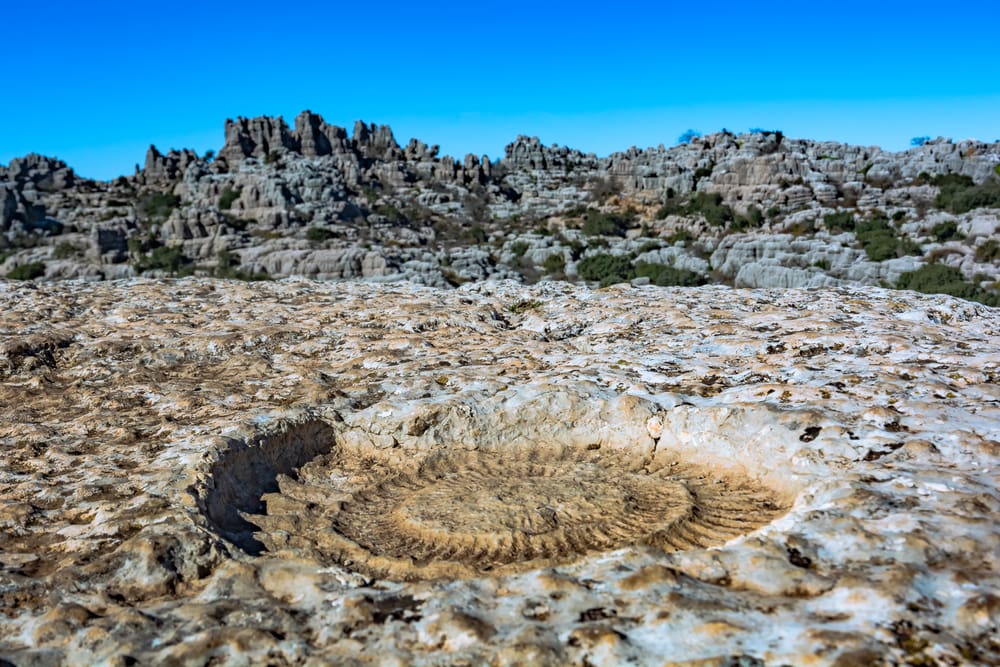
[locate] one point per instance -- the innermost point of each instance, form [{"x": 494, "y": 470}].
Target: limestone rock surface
[{"x": 205, "y": 471}]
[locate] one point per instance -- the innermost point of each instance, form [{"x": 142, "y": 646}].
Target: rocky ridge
[{"x": 756, "y": 209}]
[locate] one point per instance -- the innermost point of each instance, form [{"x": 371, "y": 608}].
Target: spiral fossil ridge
[{"x": 472, "y": 513}]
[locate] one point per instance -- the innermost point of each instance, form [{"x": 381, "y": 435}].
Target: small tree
[
  {"x": 319, "y": 234},
  {"x": 687, "y": 136}
]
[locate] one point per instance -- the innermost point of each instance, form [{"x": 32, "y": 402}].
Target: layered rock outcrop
[{"x": 746, "y": 209}]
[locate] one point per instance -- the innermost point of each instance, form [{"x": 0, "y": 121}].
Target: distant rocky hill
[{"x": 755, "y": 209}]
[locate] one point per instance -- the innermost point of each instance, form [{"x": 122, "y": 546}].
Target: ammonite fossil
[{"x": 462, "y": 513}]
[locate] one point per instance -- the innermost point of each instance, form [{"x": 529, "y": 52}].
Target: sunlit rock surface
[{"x": 312, "y": 473}]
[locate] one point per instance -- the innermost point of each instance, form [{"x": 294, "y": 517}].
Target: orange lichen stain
[
  {"x": 591, "y": 637},
  {"x": 647, "y": 576},
  {"x": 718, "y": 628}
]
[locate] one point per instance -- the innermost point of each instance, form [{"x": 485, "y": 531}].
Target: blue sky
[{"x": 95, "y": 83}]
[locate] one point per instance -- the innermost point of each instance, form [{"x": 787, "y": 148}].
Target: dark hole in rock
[
  {"x": 796, "y": 558},
  {"x": 876, "y": 454},
  {"x": 248, "y": 469},
  {"x": 395, "y": 608},
  {"x": 810, "y": 433}
]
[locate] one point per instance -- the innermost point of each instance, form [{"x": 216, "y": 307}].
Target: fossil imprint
[{"x": 461, "y": 513}]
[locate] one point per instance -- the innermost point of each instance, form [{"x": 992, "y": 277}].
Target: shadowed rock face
[
  {"x": 495, "y": 474},
  {"x": 247, "y": 470}
]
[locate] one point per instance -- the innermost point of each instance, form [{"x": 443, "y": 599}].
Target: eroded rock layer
[{"x": 203, "y": 471}]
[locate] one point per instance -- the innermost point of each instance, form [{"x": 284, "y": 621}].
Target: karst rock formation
[{"x": 756, "y": 209}]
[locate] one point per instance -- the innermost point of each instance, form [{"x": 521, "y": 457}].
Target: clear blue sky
[{"x": 95, "y": 83}]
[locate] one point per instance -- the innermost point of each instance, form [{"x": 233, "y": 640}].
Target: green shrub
[
  {"x": 753, "y": 219},
  {"x": 680, "y": 236},
  {"x": 597, "y": 223},
  {"x": 608, "y": 269},
  {"x": 227, "y": 198},
  {"x": 136, "y": 245},
  {"x": 710, "y": 205},
  {"x": 959, "y": 194},
  {"x": 988, "y": 251},
  {"x": 576, "y": 247},
  {"x": 227, "y": 266},
  {"x": 390, "y": 212},
  {"x": 272, "y": 157},
  {"x": 706, "y": 204},
  {"x": 673, "y": 206},
  {"x": 474, "y": 233},
  {"x": 159, "y": 204},
  {"x": 236, "y": 224},
  {"x": 841, "y": 220},
  {"x": 801, "y": 228},
  {"x": 226, "y": 259},
  {"x": 952, "y": 181},
  {"x": 65, "y": 250},
  {"x": 165, "y": 258},
  {"x": 941, "y": 279},
  {"x": 666, "y": 276},
  {"x": 524, "y": 305},
  {"x": 319, "y": 234},
  {"x": 518, "y": 248},
  {"x": 370, "y": 194},
  {"x": 944, "y": 231},
  {"x": 880, "y": 241},
  {"x": 554, "y": 263},
  {"x": 239, "y": 274},
  {"x": 702, "y": 172},
  {"x": 28, "y": 271}
]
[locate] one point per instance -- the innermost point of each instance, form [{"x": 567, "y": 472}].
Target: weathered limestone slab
[{"x": 299, "y": 472}]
